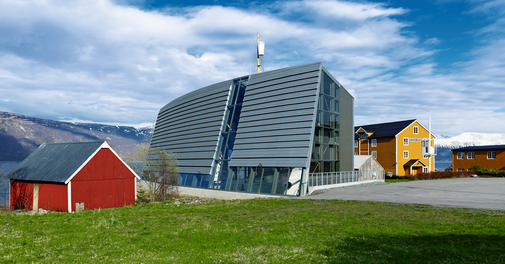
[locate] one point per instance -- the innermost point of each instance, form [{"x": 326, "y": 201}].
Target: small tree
[
  {"x": 4, "y": 185},
  {"x": 158, "y": 170}
]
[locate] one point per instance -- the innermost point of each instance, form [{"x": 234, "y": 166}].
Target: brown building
[{"x": 489, "y": 157}]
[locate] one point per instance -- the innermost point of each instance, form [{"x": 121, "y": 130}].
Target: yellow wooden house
[{"x": 402, "y": 147}]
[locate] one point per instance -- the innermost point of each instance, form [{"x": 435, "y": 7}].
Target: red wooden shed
[{"x": 72, "y": 176}]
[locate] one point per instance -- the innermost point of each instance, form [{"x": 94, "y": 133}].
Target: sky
[{"x": 119, "y": 61}]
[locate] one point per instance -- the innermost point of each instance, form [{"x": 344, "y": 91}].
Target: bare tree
[{"x": 158, "y": 170}]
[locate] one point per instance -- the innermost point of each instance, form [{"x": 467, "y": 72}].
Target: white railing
[{"x": 329, "y": 178}]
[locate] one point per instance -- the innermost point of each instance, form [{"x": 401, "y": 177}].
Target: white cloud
[{"x": 95, "y": 60}]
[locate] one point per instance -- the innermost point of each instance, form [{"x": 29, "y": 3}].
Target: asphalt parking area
[{"x": 475, "y": 193}]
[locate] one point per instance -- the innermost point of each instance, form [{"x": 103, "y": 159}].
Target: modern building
[
  {"x": 489, "y": 157},
  {"x": 400, "y": 147},
  {"x": 67, "y": 177},
  {"x": 261, "y": 133}
]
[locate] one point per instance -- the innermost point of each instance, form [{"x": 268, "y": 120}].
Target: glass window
[
  {"x": 320, "y": 103},
  {"x": 461, "y": 169},
  {"x": 374, "y": 142},
  {"x": 317, "y": 135},
  {"x": 328, "y": 103},
  {"x": 319, "y": 118},
  {"x": 326, "y": 152},
  {"x": 328, "y": 136},
  {"x": 316, "y": 154},
  {"x": 425, "y": 169},
  {"x": 416, "y": 130},
  {"x": 374, "y": 154},
  {"x": 328, "y": 166},
  {"x": 337, "y": 106},
  {"x": 337, "y": 121},
  {"x": 355, "y": 143},
  {"x": 327, "y": 84},
  {"x": 328, "y": 119},
  {"x": 282, "y": 182},
  {"x": 405, "y": 154},
  {"x": 471, "y": 155},
  {"x": 491, "y": 154},
  {"x": 337, "y": 91},
  {"x": 461, "y": 155},
  {"x": 405, "y": 141}
]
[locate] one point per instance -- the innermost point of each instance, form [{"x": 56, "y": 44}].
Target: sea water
[{"x": 5, "y": 167}]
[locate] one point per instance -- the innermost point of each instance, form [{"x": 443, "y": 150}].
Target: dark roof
[
  {"x": 488, "y": 147},
  {"x": 412, "y": 162},
  {"x": 54, "y": 162},
  {"x": 386, "y": 129}
]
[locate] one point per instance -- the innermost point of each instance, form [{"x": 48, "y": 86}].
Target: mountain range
[{"x": 20, "y": 135}]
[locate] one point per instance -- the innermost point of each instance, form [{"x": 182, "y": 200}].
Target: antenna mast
[{"x": 260, "y": 51}]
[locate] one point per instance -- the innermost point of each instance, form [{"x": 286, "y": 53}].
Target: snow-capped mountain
[
  {"x": 471, "y": 139},
  {"x": 445, "y": 144},
  {"x": 20, "y": 135}
]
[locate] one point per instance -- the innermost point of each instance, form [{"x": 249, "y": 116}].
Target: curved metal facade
[{"x": 256, "y": 133}]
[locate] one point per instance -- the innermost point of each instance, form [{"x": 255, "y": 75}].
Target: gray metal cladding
[
  {"x": 190, "y": 126},
  {"x": 346, "y": 131},
  {"x": 275, "y": 127}
]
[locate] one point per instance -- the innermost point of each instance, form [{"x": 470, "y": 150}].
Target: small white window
[
  {"x": 374, "y": 154},
  {"x": 461, "y": 169},
  {"x": 491, "y": 154},
  {"x": 416, "y": 130},
  {"x": 471, "y": 155},
  {"x": 374, "y": 143},
  {"x": 405, "y": 154},
  {"x": 405, "y": 141},
  {"x": 461, "y": 155},
  {"x": 425, "y": 169},
  {"x": 355, "y": 143}
]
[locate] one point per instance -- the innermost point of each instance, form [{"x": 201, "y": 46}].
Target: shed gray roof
[
  {"x": 487, "y": 147},
  {"x": 54, "y": 162}
]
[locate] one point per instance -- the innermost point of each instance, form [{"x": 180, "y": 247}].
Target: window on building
[
  {"x": 461, "y": 169},
  {"x": 461, "y": 155},
  {"x": 469, "y": 169},
  {"x": 426, "y": 157},
  {"x": 405, "y": 154},
  {"x": 374, "y": 154},
  {"x": 374, "y": 143},
  {"x": 491, "y": 154},
  {"x": 425, "y": 169},
  {"x": 470, "y": 155},
  {"x": 355, "y": 143},
  {"x": 405, "y": 141},
  {"x": 416, "y": 130}
]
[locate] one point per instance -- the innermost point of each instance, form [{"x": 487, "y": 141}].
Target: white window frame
[
  {"x": 491, "y": 155},
  {"x": 374, "y": 154},
  {"x": 416, "y": 130},
  {"x": 461, "y": 155},
  {"x": 405, "y": 141},
  {"x": 425, "y": 169},
  {"x": 374, "y": 142},
  {"x": 355, "y": 143},
  {"x": 472, "y": 156},
  {"x": 405, "y": 154}
]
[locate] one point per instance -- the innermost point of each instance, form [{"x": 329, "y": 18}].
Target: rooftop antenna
[{"x": 260, "y": 51}]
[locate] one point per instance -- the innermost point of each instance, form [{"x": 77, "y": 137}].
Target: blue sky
[{"x": 119, "y": 62}]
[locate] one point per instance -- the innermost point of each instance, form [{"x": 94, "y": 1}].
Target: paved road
[{"x": 476, "y": 193}]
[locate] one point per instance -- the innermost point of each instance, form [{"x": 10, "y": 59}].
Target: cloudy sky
[{"x": 119, "y": 62}]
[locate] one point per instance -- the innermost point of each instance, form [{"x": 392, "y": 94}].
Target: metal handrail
[{"x": 340, "y": 177}]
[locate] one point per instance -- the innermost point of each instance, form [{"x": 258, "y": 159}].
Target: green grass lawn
[{"x": 258, "y": 231}]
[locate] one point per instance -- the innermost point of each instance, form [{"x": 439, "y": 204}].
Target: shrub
[
  {"x": 479, "y": 170},
  {"x": 441, "y": 175}
]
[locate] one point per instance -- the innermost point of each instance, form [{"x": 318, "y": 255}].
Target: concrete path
[{"x": 476, "y": 193}]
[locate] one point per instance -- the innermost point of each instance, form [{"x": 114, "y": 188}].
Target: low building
[
  {"x": 67, "y": 177},
  {"x": 489, "y": 157},
  {"x": 401, "y": 147}
]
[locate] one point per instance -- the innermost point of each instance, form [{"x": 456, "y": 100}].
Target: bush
[
  {"x": 479, "y": 170},
  {"x": 441, "y": 175}
]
